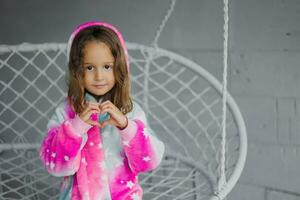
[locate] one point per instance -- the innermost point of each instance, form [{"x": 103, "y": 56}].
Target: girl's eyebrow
[{"x": 108, "y": 62}]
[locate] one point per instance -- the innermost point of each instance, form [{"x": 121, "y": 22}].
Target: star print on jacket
[{"x": 99, "y": 164}]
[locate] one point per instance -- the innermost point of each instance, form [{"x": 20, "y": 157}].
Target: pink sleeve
[
  {"x": 143, "y": 149},
  {"x": 61, "y": 147}
]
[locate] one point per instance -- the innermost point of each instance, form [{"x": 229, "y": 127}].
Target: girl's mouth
[{"x": 99, "y": 86}]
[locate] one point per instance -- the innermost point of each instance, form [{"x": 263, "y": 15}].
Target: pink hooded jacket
[{"x": 99, "y": 164}]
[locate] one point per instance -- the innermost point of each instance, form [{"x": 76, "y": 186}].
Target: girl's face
[{"x": 98, "y": 66}]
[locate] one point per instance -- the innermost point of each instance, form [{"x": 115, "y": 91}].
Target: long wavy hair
[{"x": 120, "y": 94}]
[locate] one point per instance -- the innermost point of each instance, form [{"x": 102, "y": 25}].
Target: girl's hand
[
  {"x": 89, "y": 109},
  {"x": 117, "y": 118}
]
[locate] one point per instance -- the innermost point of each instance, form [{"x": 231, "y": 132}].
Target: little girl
[{"x": 99, "y": 139}]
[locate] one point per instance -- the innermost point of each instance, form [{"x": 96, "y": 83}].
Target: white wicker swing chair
[
  {"x": 184, "y": 107},
  {"x": 184, "y": 104}
]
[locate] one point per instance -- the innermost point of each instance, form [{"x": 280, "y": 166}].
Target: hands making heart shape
[{"x": 116, "y": 117}]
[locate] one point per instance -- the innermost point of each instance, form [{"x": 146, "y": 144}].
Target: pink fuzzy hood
[{"x": 97, "y": 23}]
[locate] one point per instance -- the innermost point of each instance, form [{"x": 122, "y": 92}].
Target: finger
[
  {"x": 108, "y": 110},
  {"x": 93, "y": 106},
  {"x": 109, "y": 106},
  {"x": 89, "y": 108},
  {"x": 105, "y": 123},
  {"x": 92, "y": 103},
  {"x": 119, "y": 119},
  {"x": 85, "y": 110},
  {"x": 94, "y": 123},
  {"x": 86, "y": 116},
  {"x": 105, "y": 106},
  {"x": 90, "y": 112},
  {"x": 105, "y": 103}
]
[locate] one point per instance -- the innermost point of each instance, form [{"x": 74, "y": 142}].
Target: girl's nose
[{"x": 98, "y": 75}]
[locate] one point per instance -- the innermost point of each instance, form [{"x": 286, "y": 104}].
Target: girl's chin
[
  {"x": 98, "y": 95},
  {"x": 97, "y": 92}
]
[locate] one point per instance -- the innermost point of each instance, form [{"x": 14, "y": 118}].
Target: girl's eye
[
  {"x": 89, "y": 68},
  {"x": 107, "y": 67}
]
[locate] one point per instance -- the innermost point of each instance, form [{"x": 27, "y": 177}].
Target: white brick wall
[
  {"x": 280, "y": 195},
  {"x": 247, "y": 192},
  {"x": 260, "y": 118},
  {"x": 265, "y": 80},
  {"x": 266, "y": 73},
  {"x": 273, "y": 166}
]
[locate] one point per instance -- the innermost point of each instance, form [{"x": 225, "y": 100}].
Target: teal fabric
[
  {"x": 104, "y": 116},
  {"x": 65, "y": 194}
]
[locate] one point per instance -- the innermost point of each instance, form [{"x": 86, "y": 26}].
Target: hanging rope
[
  {"x": 150, "y": 55},
  {"x": 222, "y": 180},
  {"x": 163, "y": 23}
]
